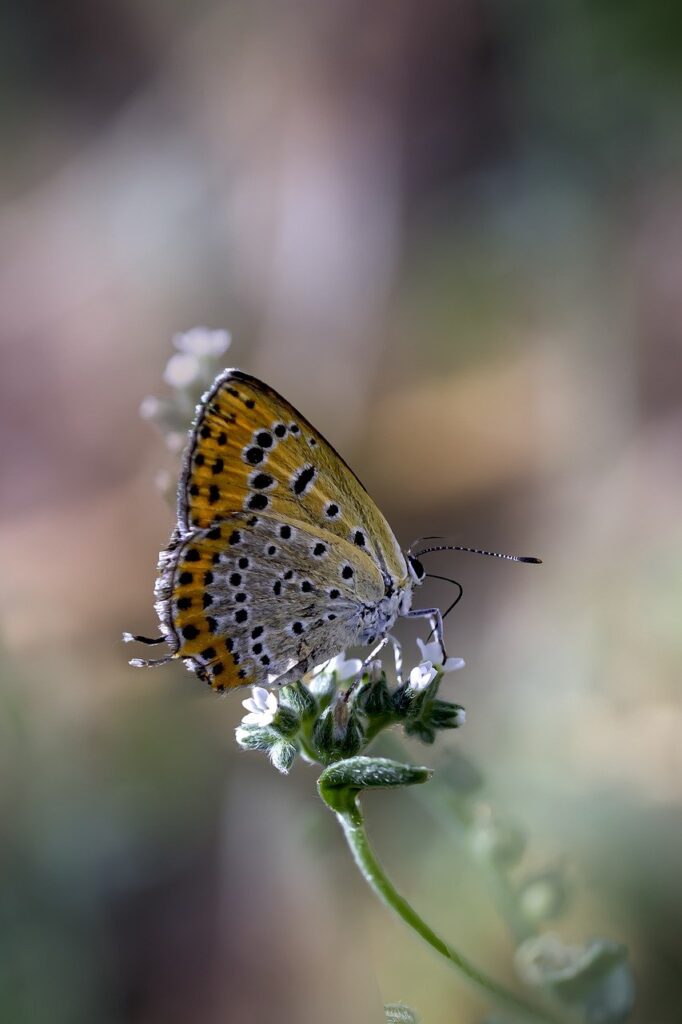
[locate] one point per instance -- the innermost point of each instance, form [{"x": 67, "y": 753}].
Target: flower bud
[
  {"x": 415, "y": 727},
  {"x": 251, "y": 737},
  {"x": 338, "y": 731},
  {"x": 543, "y": 896},
  {"x": 375, "y": 698},
  {"x": 499, "y": 842},
  {"x": 286, "y": 721},
  {"x": 595, "y": 976},
  {"x": 282, "y": 755},
  {"x": 298, "y": 698},
  {"x": 401, "y": 700},
  {"x": 444, "y": 715},
  {"x": 323, "y": 731}
]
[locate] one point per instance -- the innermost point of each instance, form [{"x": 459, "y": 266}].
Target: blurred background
[{"x": 450, "y": 232}]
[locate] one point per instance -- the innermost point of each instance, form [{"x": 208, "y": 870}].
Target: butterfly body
[{"x": 280, "y": 559}]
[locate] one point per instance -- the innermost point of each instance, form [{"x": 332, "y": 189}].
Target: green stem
[
  {"x": 451, "y": 811},
  {"x": 352, "y": 822}
]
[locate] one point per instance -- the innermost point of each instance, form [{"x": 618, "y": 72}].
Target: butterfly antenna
[
  {"x": 455, "y": 583},
  {"x": 479, "y": 551}
]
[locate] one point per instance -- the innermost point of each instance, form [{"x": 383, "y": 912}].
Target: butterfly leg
[
  {"x": 435, "y": 621},
  {"x": 151, "y": 662},
  {"x": 364, "y": 666},
  {"x": 148, "y": 662},
  {"x": 397, "y": 658},
  {"x": 129, "y": 638},
  {"x": 379, "y": 647}
]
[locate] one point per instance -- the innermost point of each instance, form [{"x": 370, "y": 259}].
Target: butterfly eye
[{"x": 417, "y": 569}]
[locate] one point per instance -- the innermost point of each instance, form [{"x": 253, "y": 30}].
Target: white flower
[
  {"x": 421, "y": 676},
  {"x": 320, "y": 679},
  {"x": 345, "y": 669},
  {"x": 262, "y": 707},
  {"x": 203, "y": 341},
  {"x": 432, "y": 652},
  {"x": 181, "y": 370},
  {"x": 150, "y": 407},
  {"x": 460, "y": 716}
]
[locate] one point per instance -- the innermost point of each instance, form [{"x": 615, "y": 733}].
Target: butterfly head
[{"x": 416, "y": 570}]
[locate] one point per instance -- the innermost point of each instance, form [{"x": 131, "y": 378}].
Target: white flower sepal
[
  {"x": 262, "y": 707},
  {"x": 432, "y": 652},
  {"x": 421, "y": 676},
  {"x": 203, "y": 341}
]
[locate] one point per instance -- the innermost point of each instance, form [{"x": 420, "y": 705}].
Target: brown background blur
[{"x": 451, "y": 234}]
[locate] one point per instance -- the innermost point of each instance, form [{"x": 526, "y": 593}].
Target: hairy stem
[{"x": 352, "y": 822}]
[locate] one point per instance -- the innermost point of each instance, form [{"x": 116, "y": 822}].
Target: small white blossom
[
  {"x": 181, "y": 370},
  {"x": 344, "y": 668},
  {"x": 460, "y": 716},
  {"x": 432, "y": 652},
  {"x": 203, "y": 341},
  {"x": 421, "y": 676},
  {"x": 175, "y": 441},
  {"x": 320, "y": 679},
  {"x": 262, "y": 707},
  {"x": 150, "y": 407}
]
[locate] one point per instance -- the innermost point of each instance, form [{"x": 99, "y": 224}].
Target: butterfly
[{"x": 280, "y": 559}]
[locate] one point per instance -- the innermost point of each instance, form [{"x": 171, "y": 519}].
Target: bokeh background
[{"x": 451, "y": 233}]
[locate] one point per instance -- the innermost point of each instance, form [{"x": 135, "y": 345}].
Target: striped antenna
[{"x": 479, "y": 551}]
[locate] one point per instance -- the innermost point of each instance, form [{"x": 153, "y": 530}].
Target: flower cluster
[
  {"x": 337, "y": 710},
  {"x": 189, "y": 371}
]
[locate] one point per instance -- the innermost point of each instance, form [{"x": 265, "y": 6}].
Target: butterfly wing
[
  {"x": 256, "y": 599},
  {"x": 251, "y": 450}
]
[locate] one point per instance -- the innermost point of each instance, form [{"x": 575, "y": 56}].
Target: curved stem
[{"x": 352, "y": 823}]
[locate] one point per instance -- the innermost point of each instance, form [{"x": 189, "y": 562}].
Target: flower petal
[
  {"x": 348, "y": 669},
  {"x": 452, "y": 664},
  {"x": 260, "y": 696},
  {"x": 271, "y": 703},
  {"x": 252, "y": 719},
  {"x": 203, "y": 341},
  {"x": 430, "y": 651},
  {"x": 421, "y": 676}
]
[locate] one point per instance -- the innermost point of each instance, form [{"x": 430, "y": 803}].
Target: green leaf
[{"x": 357, "y": 773}]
